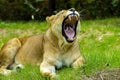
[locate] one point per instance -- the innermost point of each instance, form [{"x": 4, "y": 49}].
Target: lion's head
[{"x": 65, "y": 24}]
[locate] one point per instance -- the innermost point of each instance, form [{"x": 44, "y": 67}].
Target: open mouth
[{"x": 69, "y": 27}]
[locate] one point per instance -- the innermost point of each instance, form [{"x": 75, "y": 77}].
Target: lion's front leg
[
  {"x": 47, "y": 70},
  {"x": 78, "y": 62}
]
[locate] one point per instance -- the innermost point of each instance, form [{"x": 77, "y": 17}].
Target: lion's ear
[{"x": 50, "y": 19}]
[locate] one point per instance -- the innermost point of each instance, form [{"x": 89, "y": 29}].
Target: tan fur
[{"x": 48, "y": 50}]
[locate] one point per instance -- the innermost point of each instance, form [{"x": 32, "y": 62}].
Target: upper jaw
[{"x": 72, "y": 13}]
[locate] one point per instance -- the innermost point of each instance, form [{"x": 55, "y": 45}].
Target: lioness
[{"x": 56, "y": 48}]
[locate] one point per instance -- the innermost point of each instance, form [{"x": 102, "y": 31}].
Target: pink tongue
[{"x": 69, "y": 33}]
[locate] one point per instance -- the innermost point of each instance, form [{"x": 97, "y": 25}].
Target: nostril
[{"x": 72, "y": 9}]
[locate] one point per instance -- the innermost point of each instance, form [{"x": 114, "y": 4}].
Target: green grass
[{"x": 99, "y": 42}]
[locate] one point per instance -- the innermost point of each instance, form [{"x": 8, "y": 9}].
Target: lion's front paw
[
  {"x": 5, "y": 72},
  {"x": 48, "y": 71},
  {"x": 49, "y": 74},
  {"x": 78, "y": 63}
]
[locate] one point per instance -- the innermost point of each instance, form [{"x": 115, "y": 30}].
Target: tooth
[
  {"x": 69, "y": 18},
  {"x": 76, "y": 17},
  {"x": 74, "y": 38},
  {"x": 71, "y": 39}
]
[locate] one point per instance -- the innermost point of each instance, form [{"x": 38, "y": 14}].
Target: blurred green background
[{"x": 39, "y": 9}]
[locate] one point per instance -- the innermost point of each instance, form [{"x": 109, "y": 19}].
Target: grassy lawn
[{"x": 99, "y": 42}]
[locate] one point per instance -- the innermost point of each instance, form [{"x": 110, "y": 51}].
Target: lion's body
[
  {"x": 48, "y": 50},
  {"x": 32, "y": 49}
]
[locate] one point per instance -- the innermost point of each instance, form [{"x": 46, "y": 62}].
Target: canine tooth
[
  {"x": 76, "y": 17},
  {"x": 69, "y": 18},
  {"x": 74, "y": 38}
]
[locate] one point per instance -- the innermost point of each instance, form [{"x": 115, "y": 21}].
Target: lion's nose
[{"x": 72, "y": 9}]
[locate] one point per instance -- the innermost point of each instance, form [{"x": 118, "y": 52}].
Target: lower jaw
[{"x": 70, "y": 41}]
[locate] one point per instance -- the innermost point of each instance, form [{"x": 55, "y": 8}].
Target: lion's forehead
[{"x": 63, "y": 12}]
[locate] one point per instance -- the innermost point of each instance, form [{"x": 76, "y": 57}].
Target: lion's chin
[{"x": 69, "y": 26}]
